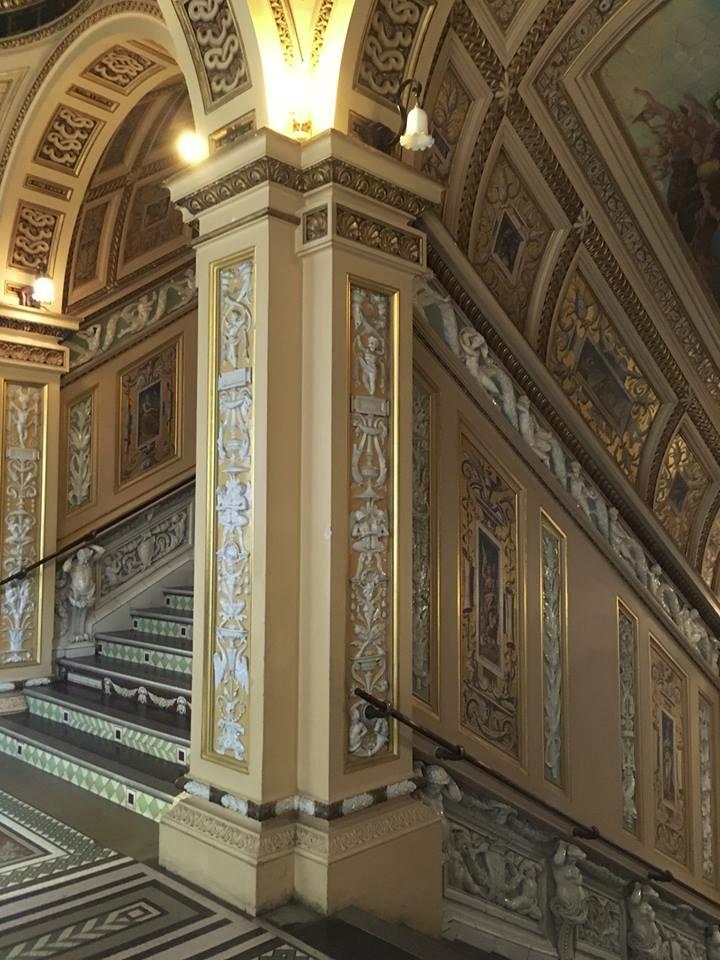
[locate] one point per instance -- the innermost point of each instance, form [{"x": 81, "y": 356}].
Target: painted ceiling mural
[{"x": 664, "y": 86}]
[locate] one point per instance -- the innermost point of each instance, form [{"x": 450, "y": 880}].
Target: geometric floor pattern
[{"x": 63, "y": 896}]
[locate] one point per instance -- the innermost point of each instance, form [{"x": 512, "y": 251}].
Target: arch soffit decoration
[{"x": 558, "y": 75}]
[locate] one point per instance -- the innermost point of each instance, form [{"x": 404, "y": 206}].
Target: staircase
[{"x": 117, "y": 723}]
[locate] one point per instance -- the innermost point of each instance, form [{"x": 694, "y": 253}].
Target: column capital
[{"x": 268, "y": 159}]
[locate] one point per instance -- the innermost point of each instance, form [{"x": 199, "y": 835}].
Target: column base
[
  {"x": 246, "y": 862},
  {"x": 386, "y": 860}
]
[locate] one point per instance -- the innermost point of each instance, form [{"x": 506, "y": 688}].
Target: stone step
[
  {"x": 178, "y": 598},
  {"x": 166, "y": 689},
  {"x": 147, "y": 648},
  {"x": 91, "y": 711},
  {"x": 163, "y": 622},
  {"x": 127, "y": 777}
]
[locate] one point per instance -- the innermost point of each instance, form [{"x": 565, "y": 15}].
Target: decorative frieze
[
  {"x": 424, "y": 563},
  {"x": 681, "y": 486},
  {"x": 669, "y": 720},
  {"x": 23, "y": 419},
  {"x": 554, "y": 645},
  {"x": 80, "y": 452},
  {"x": 491, "y": 600},
  {"x": 378, "y": 235},
  {"x": 371, "y": 515},
  {"x": 270, "y": 170},
  {"x": 231, "y": 478},
  {"x": 627, "y": 658},
  {"x": 707, "y": 799},
  {"x": 121, "y": 69},
  {"x": 136, "y": 316},
  {"x": 216, "y": 47}
]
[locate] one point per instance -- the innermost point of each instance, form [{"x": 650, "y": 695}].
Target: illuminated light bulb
[
  {"x": 43, "y": 289},
  {"x": 191, "y": 147},
  {"x": 301, "y": 100},
  {"x": 416, "y": 136}
]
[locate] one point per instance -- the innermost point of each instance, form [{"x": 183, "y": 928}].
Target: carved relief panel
[
  {"x": 669, "y": 714},
  {"x": 553, "y": 612},
  {"x": 230, "y": 483},
  {"x": 706, "y": 739},
  {"x": 424, "y": 555},
  {"x": 23, "y": 482},
  {"x": 598, "y": 373},
  {"x": 371, "y": 638},
  {"x": 81, "y": 452},
  {"x": 391, "y": 45},
  {"x": 68, "y": 139},
  {"x": 447, "y": 118},
  {"x": 491, "y": 600},
  {"x": 149, "y": 413}
]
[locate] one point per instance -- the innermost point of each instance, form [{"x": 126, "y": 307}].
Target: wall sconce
[
  {"x": 39, "y": 294},
  {"x": 413, "y": 133}
]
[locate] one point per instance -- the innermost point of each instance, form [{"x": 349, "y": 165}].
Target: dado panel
[{"x": 553, "y": 667}]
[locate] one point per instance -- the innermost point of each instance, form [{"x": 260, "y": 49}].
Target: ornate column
[
  {"x": 306, "y": 260},
  {"x": 31, "y": 362}
]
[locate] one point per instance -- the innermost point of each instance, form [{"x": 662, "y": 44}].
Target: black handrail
[
  {"x": 455, "y": 752},
  {"x": 94, "y": 534}
]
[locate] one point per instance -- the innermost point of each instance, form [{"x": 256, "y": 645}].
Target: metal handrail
[
  {"x": 94, "y": 534},
  {"x": 455, "y": 752}
]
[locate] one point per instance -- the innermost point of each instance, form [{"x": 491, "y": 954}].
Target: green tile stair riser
[
  {"x": 153, "y": 746},
  {"x": 113, "y": 790},
  {"x": 176, "y": 662},
  {"x": 176, "y": 601},
  {"x": 162, "y": 628}
]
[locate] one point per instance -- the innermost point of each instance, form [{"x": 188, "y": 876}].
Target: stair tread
[
  {"x": 113, "y": 758},
  {"x": 163, "y": 613},
  {"x": 174, "y": 644},
  {"x": 165, "y": 723},
  {"x": 132, "y": 671},
  {"x": 179, "y": 591}
]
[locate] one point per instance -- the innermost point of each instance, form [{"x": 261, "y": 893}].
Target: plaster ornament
[
  {"x": 553, "y": 590},
  {"x": 644, "y": 938},
  {"x": 437, "y": 786},
  {"x": 80, "y": 590},
  {"x": 481, "y": 365},
  {"x": 429, "y": 293},
  {"x": 627, "y": 548},
  {"x": 587, "y": 498},
  {"x": 627, "y": 652},
  {"x": 79, "y": 454},
  {"x": 569, "y": 905},
  {"x": 707, "y": 811},
  {"x": 525, "y": 896},
  {"x": 713, "y": 942},
  {"x": 664, "y": 593},
  {"x": 542, "y": 442}
]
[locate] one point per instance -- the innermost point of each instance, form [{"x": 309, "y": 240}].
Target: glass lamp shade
[
  {"x": 416, "y": 136},
  {"x": 43, "y": 290}
]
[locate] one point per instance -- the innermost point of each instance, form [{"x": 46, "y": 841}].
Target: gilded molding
[
  {"x": 319, "y": 30},
  {"x": 378, "y": 235},
  {"x": 330, "y": 171},
  {"x": 681, "y": 486},
  {"x": 284, "y": 32}
]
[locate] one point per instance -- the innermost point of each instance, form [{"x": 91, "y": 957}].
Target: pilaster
[{"x": 306, "y": 259}]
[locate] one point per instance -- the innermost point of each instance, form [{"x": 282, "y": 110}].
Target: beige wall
[
  {"x": 593, "y": 792},
  {"x": 111, "y": 496}
]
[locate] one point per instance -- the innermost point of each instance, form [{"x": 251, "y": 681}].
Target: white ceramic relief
[
  {"x": 627, "y": 641},
  {"x": 370, "y": 521},
  {"x": 231, "y": 598},
  {"x": 80, "y": 452},
  {"x": 422, "y": 559},
  {"x": 553, "y": 629},
  {"x": 23, "y": 417},
  {"x": 707, "y": 807}
]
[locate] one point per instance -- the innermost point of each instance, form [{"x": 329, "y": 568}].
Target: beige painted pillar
[
  {"x": 306, "y": 260},
  {"x": 31, "y": 362}
]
